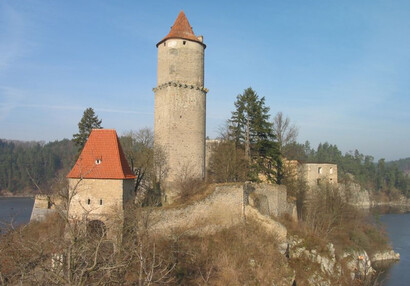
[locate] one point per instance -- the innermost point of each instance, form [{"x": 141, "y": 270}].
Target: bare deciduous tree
[
  {"x": 149, "y": 165},
  {"x": 227, "y": 163},
  {"x": 284, "y": 131}
]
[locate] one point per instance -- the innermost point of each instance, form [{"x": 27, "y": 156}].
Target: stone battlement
[{"x": 180, "y": 85}]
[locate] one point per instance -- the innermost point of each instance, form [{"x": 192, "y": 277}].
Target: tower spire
[{"x": 181, "y": 30}]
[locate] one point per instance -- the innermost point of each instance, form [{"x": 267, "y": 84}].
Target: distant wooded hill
[
  {"x": 25, "y": 164},
  {"x": 402, "y": 164}
]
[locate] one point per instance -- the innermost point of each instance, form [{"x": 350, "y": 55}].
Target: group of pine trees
[{"x": 253, "y": 146}]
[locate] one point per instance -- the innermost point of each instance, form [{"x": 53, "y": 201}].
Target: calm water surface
[
  {"x": 398, "y": 228},
  {"x": 15, "y": 211}
]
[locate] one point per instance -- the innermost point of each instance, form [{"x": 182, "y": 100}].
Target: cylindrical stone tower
[{"x": 180, "y": 106}]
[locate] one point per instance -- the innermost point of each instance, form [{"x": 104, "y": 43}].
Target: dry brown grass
[
  {"x": 329, "y": 219},
  {"x": 242, "y": 255}
]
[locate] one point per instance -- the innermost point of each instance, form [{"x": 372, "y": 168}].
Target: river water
[
  {"x": 398, "y": 228},
  {"x": 16, "y": 211}
]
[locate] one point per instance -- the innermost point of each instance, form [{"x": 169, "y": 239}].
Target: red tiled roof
[
  {"x": 181, "y": 30},
  {"x": 102, "y": 158}
]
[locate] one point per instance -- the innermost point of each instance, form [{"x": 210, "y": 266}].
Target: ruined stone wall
[
  {"x": 315, "y": 173},
  {"x": 227, "y": 206},
  {"x": 270, "y": 199},
  {"x": 44, "y": 205},
  {"x": 180, "y": 110}
]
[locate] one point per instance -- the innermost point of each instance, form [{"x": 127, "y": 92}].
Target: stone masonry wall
[
  {"x": 180, "y": 110},
  {"x": 319, "y": 172},
  {"x": 42, "y": 208},
  {"x": 97, "y": 198},
  {"x": 227, "y": 206}
]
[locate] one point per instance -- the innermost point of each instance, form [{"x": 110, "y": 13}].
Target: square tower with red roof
[{"x": 101, "y": 181}]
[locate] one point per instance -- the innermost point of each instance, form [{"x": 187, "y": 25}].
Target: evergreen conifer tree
[
  {"x": 250, "y": 128},
  {"x": 88, "y": 122}
]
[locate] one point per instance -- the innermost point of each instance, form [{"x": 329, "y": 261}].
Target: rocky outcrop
[
  {"x": 328, "y": 267},
  {"x": 355, "y": 195},
  {"x": 325, "y": 267},
  {"x": 358, "y": 263},
  {"x": 385, "y": 256}
]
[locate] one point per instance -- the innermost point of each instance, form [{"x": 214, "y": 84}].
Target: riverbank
[{"x": 8, "y": 194}]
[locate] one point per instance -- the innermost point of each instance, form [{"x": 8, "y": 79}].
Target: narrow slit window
[
  {"x": 100, "y": 202},
  {"x": 183, "y": 42},
  {"x": 89, "y": 201}
]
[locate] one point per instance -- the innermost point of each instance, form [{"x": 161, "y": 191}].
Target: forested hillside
[
  {"x": 402, "y": 164},
  {"x": 23, "y": 163}
]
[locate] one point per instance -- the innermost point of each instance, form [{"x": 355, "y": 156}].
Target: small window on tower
[
  {"x": 100, "y": 202},
  {"x": 183, "y": 42},
  {"x": 88, "y": 201},
  {"x": 165, "y": 44}
]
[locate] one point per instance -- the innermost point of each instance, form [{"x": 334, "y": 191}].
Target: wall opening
[
  {"x": 319, "y": 170},
  {"x": 183, "y": 42},
  {"x": 88, "y": 201},
  {"x": 100, "y": 202},
  {"x": 96, "y": 229},
  {"x": 331, "y": 170}
]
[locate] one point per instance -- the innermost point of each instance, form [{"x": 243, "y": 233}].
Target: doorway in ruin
[{"x": 96, "y": 229}]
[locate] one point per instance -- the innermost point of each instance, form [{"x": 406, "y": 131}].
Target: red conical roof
[
  {"x": 181, "y": 30},
  {"x": 102, "y": 158}
]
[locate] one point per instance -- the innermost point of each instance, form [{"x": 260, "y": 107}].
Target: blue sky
[{"x": 339, "y": 69}]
